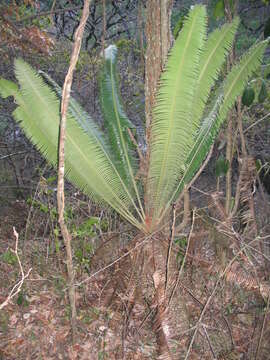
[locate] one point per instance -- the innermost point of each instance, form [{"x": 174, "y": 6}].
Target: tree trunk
[{"x": 159, "y": 41}]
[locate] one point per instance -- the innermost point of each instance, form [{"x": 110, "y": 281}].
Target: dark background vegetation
[{"x": 35, "y": 325}]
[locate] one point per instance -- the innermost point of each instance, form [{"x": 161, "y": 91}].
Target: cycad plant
[{"x": 186, "y": 119}]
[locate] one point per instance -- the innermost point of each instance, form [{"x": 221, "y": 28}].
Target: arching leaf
[
  {"x": 172, "y": 127},
  {"x": 87, "y": 165},
  {"x": 116, "y": 121},
  {"x": 232, "y": 87}
]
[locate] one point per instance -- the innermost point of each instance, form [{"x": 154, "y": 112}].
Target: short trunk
[{"x": 155, "y": 268}]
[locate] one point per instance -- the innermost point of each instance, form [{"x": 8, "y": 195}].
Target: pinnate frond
[
  {"x": 117, "y": 123},
  {"x": 173, "y": 127},
  {"x": 87, "y": 166}
]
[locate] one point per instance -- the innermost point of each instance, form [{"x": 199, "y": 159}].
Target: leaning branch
[{"x": 61, "y": 160}]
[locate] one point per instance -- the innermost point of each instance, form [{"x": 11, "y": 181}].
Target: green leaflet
[{"x": 8, "y": 88}]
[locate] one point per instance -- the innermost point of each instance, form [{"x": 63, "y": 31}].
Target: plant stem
[
  {"x": 61, "y": 162},
  {"x": 229, "y": 172},
  {"x": 229, "y": 13},
  {"x": 240, "y": 128}
]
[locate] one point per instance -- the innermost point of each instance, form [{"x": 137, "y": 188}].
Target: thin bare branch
[
  {"x": 61, "y": 160},
  {"x": 257, "y": 122},
  {"x": 209, "y": 342},
  {"x": 18, "y": 286}
]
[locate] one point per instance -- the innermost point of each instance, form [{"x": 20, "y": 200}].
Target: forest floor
[{"x": 35, "y": 324}]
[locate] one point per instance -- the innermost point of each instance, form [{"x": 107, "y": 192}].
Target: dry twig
[{"x": 18, "y": 286}]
